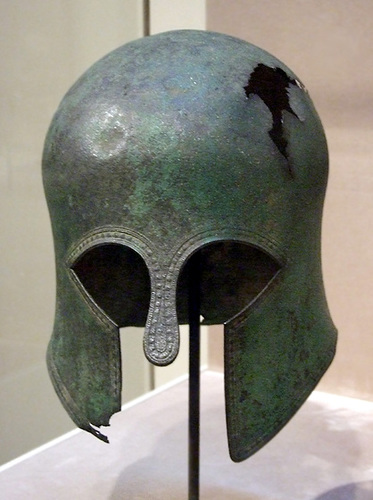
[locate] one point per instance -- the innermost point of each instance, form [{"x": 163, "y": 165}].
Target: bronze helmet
[{"x": 175, "y": 145}]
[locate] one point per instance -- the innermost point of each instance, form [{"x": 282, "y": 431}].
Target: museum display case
[{"x": 328, "y": 47}]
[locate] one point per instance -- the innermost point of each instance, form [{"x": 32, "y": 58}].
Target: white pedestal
[{"x": 324, "y": 453}]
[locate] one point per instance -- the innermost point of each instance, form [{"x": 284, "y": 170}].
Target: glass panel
[{"x": 46, "y": 47}]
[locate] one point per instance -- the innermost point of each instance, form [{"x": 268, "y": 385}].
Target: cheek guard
[{"x": 174, "y": 145}]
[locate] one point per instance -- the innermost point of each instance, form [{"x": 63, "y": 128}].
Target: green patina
[{"x": 174, "y": 144}]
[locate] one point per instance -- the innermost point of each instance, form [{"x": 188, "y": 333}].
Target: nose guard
[{"x": 167, "y": 147}]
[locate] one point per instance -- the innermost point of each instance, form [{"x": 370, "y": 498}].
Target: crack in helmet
[{"x": 176, "y": 146}]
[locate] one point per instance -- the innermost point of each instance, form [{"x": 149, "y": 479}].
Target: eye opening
[
  {"x": 117, "y": 280},
  {"x": 232, "y": 275}
]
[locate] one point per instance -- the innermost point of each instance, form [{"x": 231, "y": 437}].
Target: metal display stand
[{"x": 194, "y": 377}]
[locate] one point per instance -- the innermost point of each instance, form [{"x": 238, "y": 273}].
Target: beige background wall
[{"x": 328, "y": 44}]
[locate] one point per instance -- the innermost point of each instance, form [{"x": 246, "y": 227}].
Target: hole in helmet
[
  {"x": 232, "y": 275},
  {"x": 117, "y": 279},
  {"x": 271, "y": 85}
]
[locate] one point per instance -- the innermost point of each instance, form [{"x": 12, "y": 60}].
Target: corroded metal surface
[{"x": 179, "y": 143}]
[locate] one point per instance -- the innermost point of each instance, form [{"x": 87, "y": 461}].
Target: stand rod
[{"x": 194, "y": 378}]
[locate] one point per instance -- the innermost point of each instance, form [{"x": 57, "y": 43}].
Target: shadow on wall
[{"x": 352, "y": 491}]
